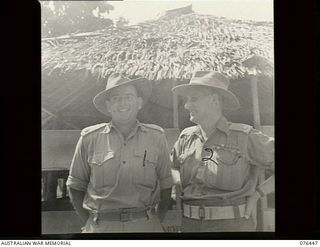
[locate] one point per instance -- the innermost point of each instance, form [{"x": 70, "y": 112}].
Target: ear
[{"x": 140, "y": 101}]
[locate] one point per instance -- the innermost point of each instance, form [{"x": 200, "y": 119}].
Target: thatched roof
[{"x": 174, "y": 46}]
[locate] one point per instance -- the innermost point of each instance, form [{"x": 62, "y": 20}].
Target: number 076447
[{"x": 308, "y": 242}]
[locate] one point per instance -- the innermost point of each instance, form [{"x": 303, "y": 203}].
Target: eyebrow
[
  {"x": 199, "y": 95},
  {"x": 122, "y": 94}
]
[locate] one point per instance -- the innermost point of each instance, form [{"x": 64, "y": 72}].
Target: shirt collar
[
  {"x": 198, "y": 133},
  {"x": 107, "y": 128},
  {"x": 143, "y": 128},
  {"x": 110, "y": 126},
  {"x": 222, "y": 125}
]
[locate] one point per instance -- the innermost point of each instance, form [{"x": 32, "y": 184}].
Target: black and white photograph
[{"x": 157, "y": 116}]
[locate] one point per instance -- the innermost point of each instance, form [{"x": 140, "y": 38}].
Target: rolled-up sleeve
[
  {"x": 260, "y": 150},
  {"x": 164, "y": 165},
  {"x": 175, "y": 153},
  {"x": 79, "y": 174}
]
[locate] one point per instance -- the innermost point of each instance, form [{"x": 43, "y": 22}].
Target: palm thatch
[{"x": 172, "y": 47}]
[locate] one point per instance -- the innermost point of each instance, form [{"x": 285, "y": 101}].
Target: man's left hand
[
  {"x": 164, "y": 204},
  {"x": 163, "y": 209},
  {"x": 251, "y": 205}
]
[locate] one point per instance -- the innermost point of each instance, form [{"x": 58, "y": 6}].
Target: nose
[
  {"x": 123, "y": 101},
  {"x": 187, "y": 104}
]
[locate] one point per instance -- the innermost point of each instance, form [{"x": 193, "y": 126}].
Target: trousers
[
  {"x": 151, "y": 224},
  {"x": 228, "y": 225}
]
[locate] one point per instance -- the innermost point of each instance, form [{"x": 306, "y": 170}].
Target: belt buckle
[
  {"x": 201, "y": 212},
  {"x": 125, "y": 216}
]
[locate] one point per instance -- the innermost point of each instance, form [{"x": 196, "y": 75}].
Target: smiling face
[
  {"x": 202, "y": 105},
  {"x": 123, "y": 104}
]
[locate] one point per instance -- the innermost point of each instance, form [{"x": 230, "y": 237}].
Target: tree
[
  {"x": 62, "y": 17},
  {"x": 122, "y": 22}
]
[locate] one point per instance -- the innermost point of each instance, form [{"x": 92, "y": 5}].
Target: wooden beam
[
  {"x": 175, "y": 107},
  {"x": 255, "y": 101},
  {"x": 57, "y": 118},
  {"x": 264, "y": 211},
  {"x": 72, "y": 36},
  {"x": 48, "y": 118}
]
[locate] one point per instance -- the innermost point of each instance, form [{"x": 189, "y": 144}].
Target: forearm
[
  {"x": 164, "y": 204},
  {"x": 266, "y": 187},
  {"x": 77, "y": 197},
  {"x": 263, "y": 189},
  {"x": 176, "y": 176}
]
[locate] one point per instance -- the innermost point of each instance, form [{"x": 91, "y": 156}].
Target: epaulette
[
  {"x": 153, "y": 126},
  {"x": 189, "y": 131},
  {"x": 92, "y": 128},
  {"x": 241, "y": 127}
]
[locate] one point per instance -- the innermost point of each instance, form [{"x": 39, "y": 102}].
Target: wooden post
[
  {"x": 272, "y": 78},
  {"x": 175, "y": 107},
  {"x": 262, "y": 204},
  {"x": 255, "y": 101}
]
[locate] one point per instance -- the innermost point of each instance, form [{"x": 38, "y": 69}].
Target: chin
[
  {"x": 126, "y": 119},
  {"x": 193, "y": 119}
]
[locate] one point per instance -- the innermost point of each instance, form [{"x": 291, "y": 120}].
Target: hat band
[
  {"x": 211, "y": 82},
  {"x": 118, "y": 83}
]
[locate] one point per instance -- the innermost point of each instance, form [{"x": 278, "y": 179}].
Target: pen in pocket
[{"x": 144, "y": 158}]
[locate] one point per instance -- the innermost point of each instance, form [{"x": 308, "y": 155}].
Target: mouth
[{"x": 124, "y": 110}]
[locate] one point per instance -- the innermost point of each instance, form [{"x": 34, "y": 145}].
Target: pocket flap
[
  {"x": 100, "y": 158},
  {"x": 146, "y": 154},
  {"x": 228, "y": 156}
]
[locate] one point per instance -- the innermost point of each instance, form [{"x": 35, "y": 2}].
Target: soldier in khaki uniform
[
  {"x": 121, "y": 170},
  {"x": 217, "y": 162}
]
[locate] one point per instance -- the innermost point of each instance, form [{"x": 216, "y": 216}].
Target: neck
[
  {"x": 125, "y": 128},
  {"x": 209, "y": 125}
]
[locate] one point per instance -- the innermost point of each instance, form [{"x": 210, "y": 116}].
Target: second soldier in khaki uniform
[
  {"x": 217, "y": 162},
  {"x": 121, "y": 170}
]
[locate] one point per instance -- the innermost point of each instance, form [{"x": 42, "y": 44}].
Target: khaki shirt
[
  {"x": 117, "y": 173},
  {"x": 221, "y": 167}
]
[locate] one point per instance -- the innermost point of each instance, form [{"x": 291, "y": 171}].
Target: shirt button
[{"x": 123, "y": 162}]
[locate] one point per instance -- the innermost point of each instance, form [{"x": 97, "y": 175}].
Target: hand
[
  {"x": 163, "y": 208},
  {"x": 162, "y": 215},
  {"x": 84, "y": 215},
  {"x": 251, "y": 204},
  {"x": 164, "y": 203},
  {"x": 178, "y": 188}
]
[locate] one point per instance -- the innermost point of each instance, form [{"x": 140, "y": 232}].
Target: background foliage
[{"x": 62, "y": 17}]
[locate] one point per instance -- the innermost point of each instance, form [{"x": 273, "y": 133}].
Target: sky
[{"x": 137, "y": 11}]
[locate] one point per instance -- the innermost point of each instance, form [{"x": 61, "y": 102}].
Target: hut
[{"x": 166, "y": 51}]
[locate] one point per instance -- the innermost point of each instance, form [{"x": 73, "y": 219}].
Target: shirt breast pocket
[
  {"x": 145, "y": 168},
  {"x": 227, "y": 157},
  {"x": 231, "y": 168},
  {"x": 103, "y": 169}
]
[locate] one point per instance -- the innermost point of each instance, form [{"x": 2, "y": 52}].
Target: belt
[
  {"x": 120, "y": 216},
  {"x": 214, "y": 212}
]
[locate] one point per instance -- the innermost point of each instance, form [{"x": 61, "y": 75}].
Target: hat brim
[
  {"x": 230, "y": 101},
  {"x": 143, "y": 87}
]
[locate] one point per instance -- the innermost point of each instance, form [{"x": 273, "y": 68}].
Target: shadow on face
[{"x": 123, "y": 103}]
